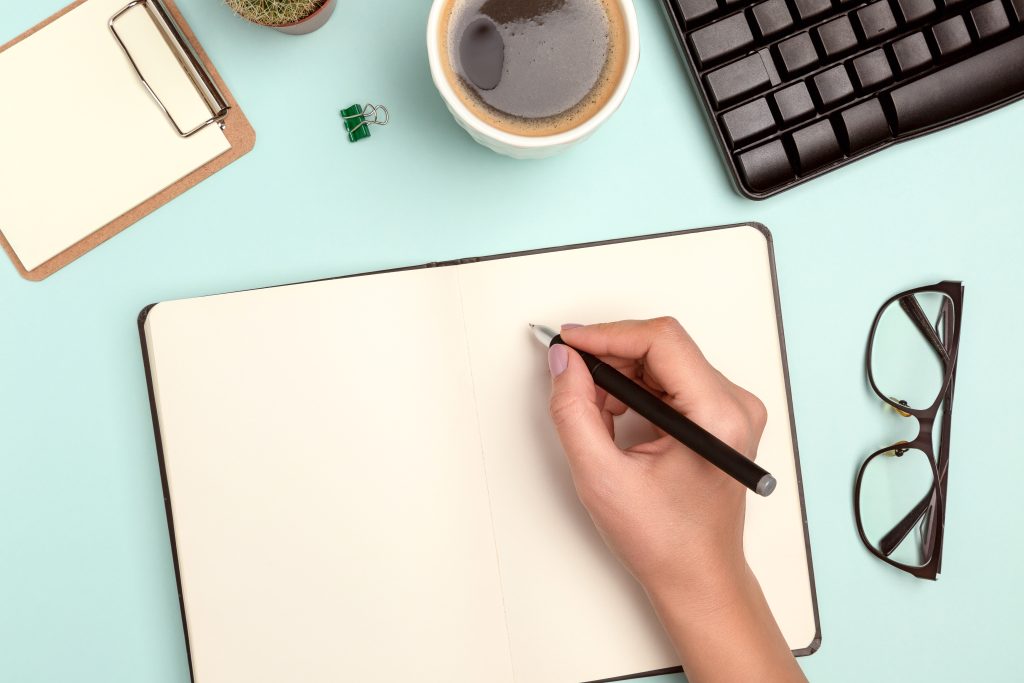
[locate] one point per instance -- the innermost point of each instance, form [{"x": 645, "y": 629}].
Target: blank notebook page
[
  {"x": 574, "y": 613},
  {"x": 81, "y": 140},
  {"x": 329, "y": 501}
]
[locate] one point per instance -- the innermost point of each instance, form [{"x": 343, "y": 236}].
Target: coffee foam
[{"x": 582, "y": 92}]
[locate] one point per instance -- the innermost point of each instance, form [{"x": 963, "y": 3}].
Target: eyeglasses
[{"x": 900, "y": 494}]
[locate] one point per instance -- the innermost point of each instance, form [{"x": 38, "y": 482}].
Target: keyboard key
[
  {"x": 863, "y": 125},
  {"x": 989, "y": 19},
  {"x": 797, "y": 54},
  {"x": 766, "y": 166},
  {"x": 872, "y": 70},
  {"x": 911, "y": 53},
  {"x": 769, "y": 65},
  {"x": 836, "y": 37},
  {"x": 809, "y": 9},
  {"x": 1018, "y": 9},
  {"x": 794, "y": 103},
  {"x": 737, "y": 80},
  {"x": 721, "y": 39},
  {"x": 951, "y": 35},
  {"x": 816, "y": 145},
  {"x": 962, "y": 88},
  {"x": 772, "y": 17},
  {"x": 915, "y": 10},
  {"x": 833, "y": 86},
  {"x": 876, "y": 20},
  {"x": 750, "y": 122},
  {"x": 692, "y": 10}
]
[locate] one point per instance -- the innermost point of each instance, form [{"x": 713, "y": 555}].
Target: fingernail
[
  {"x": 558, "y": 359},
  {"x": 570, "y": 326}
]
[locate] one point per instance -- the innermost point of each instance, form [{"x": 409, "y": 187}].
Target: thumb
[{"x": 574, "y": 409}]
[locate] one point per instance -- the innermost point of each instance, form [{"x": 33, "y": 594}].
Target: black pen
[{"x": 660, "y": 414}]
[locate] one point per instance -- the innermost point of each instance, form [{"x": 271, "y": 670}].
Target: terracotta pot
[{"x": 311, "y": 23}]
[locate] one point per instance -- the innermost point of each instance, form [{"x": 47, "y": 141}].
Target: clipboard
[{"x": 224, "y": 113}]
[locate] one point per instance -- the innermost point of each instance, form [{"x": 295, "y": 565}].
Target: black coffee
[{"x": 534, "y": 67}]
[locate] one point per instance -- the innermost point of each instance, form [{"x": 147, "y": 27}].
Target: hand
[
  {"x": 674, "y": 520},
  {"x": 671, "y": 516}
]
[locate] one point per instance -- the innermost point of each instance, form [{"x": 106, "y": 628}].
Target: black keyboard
[{"x": 796, "y": 88}]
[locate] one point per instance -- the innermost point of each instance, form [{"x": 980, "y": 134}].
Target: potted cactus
[{"x": 288, "y": 16}]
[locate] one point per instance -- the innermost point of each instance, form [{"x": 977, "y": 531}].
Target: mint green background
[{"x": 87, "y": 590}]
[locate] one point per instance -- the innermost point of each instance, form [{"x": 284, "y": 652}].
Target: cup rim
[{"x": 529, "y": 141}]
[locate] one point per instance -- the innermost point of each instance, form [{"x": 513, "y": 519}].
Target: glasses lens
[
  {"x": 910, "y": 352},
  {"x": 897, "y": 506}
]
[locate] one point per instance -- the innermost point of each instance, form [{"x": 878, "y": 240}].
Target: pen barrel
[{"x": 678, "y": 426}]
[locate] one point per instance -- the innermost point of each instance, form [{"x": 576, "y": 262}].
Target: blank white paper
[{"x": 330, "y": 506}]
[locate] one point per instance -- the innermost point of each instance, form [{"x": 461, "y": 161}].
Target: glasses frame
[{"x": 934, "y": 503}]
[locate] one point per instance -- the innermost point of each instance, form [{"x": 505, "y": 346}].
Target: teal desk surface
[{"x": 87, "y": 591}]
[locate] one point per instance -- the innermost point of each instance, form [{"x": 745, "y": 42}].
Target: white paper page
[
  {"x": 574, "y": 613},
  {"x": 81, "y": 141},
  {"x": 329, "y": 499}
]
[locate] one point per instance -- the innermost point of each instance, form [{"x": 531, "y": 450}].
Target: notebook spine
[{"x": 454, "y": 262}]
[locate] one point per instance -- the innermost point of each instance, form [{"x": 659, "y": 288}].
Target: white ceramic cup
[{"x": 525, "y": 146}]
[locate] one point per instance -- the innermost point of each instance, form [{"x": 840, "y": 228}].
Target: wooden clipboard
[{"x": 235, "y": 125}]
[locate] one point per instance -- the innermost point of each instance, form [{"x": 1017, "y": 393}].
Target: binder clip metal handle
[
  {"x": 359, "y": 119},
  {"x": 186, "y": 57}
]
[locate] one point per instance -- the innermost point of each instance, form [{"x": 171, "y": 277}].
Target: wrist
[
  {"x": 720, "y": 588},
  {"x": 726, "y": 631}
]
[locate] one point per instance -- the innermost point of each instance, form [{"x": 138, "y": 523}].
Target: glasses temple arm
[
  {"x": 917, "y": 315},
  {"x": 892, "y": 540},
  {"x": 944, "y": 439}
]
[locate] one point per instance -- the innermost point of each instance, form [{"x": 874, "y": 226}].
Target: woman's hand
[{"x": 674, "y": 520}]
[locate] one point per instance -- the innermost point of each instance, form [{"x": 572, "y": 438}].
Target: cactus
[{"x": 274, "y": 12}]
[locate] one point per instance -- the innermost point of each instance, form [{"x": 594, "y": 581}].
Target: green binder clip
[{"x": 359, "y": 119}]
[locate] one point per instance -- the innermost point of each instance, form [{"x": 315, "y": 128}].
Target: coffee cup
[{"x": 488, "y": 118}]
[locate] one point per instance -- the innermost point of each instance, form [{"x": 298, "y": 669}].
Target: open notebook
[{"x": 363, "y": 483}]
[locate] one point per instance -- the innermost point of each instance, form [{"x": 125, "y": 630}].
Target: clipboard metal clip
[{"x": 186, "y": 56}]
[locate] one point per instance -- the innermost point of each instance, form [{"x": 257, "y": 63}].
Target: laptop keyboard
[{"x": 795, "y": 88}]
